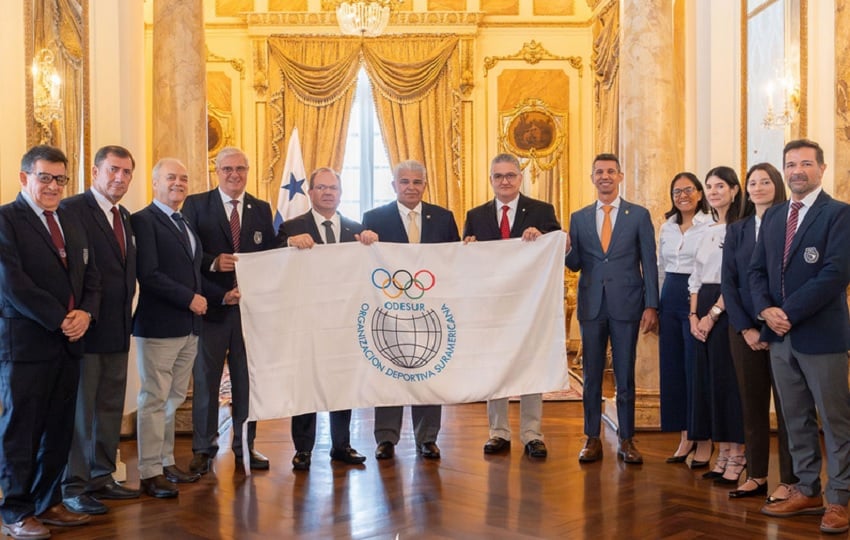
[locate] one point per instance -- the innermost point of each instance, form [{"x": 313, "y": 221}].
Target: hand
[
  {"x": 301, "y": 241},
  {"x": 700, "y": 328},
  {"x": 226, "y": 262},
  {"x": 75, "y": 324},
  {"x": 531, "y": 234},
  {"x": 777, "y": 320},
  {"x": 366, "y": 237},
  {"x": 751, "y": 336},
  {"x": 468, "y": 239},
  {"x": 198, "y": 305},
  {"x": 232, "y": 297},
  {"x": 649, "y": 321}
]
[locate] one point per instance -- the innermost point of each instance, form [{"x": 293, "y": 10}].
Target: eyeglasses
[
  {"x": 684, "y": 191},
  {"x": 46, "y": 178},
  {"x": 241, "y": 169},
  {"x": 322, "y": 187},
  {"x": 510, "y": 177}
]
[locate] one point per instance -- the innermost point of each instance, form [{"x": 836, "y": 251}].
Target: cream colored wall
[
  {"x": 13, "y": 139},
  {"x": 821, "y": 89}
]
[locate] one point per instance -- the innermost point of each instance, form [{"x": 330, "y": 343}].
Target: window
[{"x": 366, "y": 172}]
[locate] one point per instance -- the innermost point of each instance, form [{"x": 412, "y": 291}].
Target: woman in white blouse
[
  {"x": 715, "y": 386},
  {"x": 677, "y": 244}
]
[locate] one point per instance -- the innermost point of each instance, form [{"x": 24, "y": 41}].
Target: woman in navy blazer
[{"x": 764, "y": 188}]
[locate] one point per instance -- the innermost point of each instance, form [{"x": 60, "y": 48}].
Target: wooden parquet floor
[{"x": 463, "y": 496}]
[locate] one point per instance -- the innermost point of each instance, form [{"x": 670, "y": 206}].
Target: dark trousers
[
  {"x": 36, "y": 426},
  {"x": 675, "y": 353},
  {"x": 755, "y": 381},
  {"x": 595, "y": 334},
  {"x": 97, "y": 423},
  {"x": 303, "y": 430},
  {"x": 717, "y": 402},
  {"x": 219, "y": 341},
  {"x": 426, "y": 423}
]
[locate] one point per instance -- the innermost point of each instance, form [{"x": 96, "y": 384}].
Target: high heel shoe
[
  {"x": 681, "y": 459},
  {"x": 734, "y": 467},
  {"x": 701, "y": 464},
  {"x": 719, "y": 467}
]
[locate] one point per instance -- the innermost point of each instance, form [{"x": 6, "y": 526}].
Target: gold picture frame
[{"x": 535, "y": 133}]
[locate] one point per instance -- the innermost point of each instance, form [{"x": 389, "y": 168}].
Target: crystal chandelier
[
  {"x": 365, "y": 18},
  {"x": 46, "y": 87}
]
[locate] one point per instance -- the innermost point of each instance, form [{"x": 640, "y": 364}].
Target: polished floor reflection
[{"x": 463, "y": 496}]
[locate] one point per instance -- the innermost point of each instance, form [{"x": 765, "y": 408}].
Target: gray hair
[
  {"x": 505, "y": 158},
  {"x": 163, "y": 161},
  {"x": 228, "y": 151},
  {"x": 410, "y": 165}
]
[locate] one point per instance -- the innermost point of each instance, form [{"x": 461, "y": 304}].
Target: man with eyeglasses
[
  {"x": 49, "y": 295},
  {"x": 323, "y": 225},
  {"x": 511, "y": 215},
  {"x": 612, "y": 243},
  {"x": 228, "y": 220},
  {"x": 409, "y": 220},
  {"x": 103, "y": 371}
]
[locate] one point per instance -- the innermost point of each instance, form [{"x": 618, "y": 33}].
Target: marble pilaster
[
  {"x": 179, "y": 87},
  {"x": 651, "y": 149},
  {"x": 841, "y": 167}
]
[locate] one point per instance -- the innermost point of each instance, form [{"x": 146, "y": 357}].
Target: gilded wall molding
[
  {"x": 328, "y": 18},
  {"x": 236, "y": 63},
  {"x": 259, "y": 49},
  {"x": 532, "y": 53}
]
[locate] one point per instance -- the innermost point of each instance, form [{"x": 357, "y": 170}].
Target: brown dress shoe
[
  {"x": 157, "y": 486},
  {"x": 200, "y": 463},
  {"x": 629, "y": 453},
  {"x": 592, "y": 450},
  {"x": 175, "y": 475},
  {"x": 795, "y": 505},
  {"x": 62, "y": 517},
  {"x": 385, "y": 450},
  {"x": 834, "y": 519},
  {"x": 28, "y": 528}
]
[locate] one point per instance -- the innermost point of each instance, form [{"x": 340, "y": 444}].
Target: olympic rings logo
[{"x": 403, "y": 282}]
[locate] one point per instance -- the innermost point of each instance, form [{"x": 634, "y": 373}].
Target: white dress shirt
[{"x": 709, "y": 258}]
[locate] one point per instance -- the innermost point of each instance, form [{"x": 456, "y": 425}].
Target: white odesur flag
[{"x": 292, "y": 200}]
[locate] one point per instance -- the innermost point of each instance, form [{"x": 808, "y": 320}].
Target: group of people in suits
[{"x": 767, "y": 279}]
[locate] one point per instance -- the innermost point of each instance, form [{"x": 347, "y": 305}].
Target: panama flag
[{"x": 292, "y": 200}]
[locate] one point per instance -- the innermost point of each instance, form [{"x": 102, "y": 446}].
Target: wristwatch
[{"x": 715, "y": 312}]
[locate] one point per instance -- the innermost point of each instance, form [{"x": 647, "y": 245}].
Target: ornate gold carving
[
  {"x": 467, "y": 79},
  {"x": 532, "y": 53},
  {"x": 236, "y": 63},
  {"x": 328, "y": 18},
  {"x": 535, "y": 133},
  {"x": 261, "y": 67}
]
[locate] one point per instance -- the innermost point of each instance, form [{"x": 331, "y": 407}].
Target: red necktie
[
  {"x": 790, "y": 230},
  {"x": 59, "y": 244},
  {"x": 504, "y": 226},
  {"x": 235, "y": 227},
  {"x": 118, "y": 230}
]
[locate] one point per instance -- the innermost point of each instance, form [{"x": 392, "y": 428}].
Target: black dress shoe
[
  {"x": 497, "y": 445},
  {"x": 429, "y": 450},
  {"x": 200, "y": 463},
  {"x": 741, "y": 493},
  {"x": 114, "y": 490},
  {"x": 258, "y": 462},
  {"x": 347, "y": 455},
  {"x": 85, "y": 504},
  {"x": 301, "y": 461},
  {"x": 681, "y": 459},
  {"x": 175, "y": 475},
  {"x": 536, "y": 449},
  {"x": 712, "y": 475},
  {"x": 159, "y": 487},
  {"x": 385, "y": 450}
]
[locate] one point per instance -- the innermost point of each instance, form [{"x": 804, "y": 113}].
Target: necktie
[
  {"x": 59, "y": 244},
  {"x": 118, "y": 230},
  {"x": 790, "y": 230},
  {"x": 235, "y": 227},
  {"x": 412, "y": 228},
  {"x": 606, "y": 227},
  {"x": 504, "y": 225},
  {"x": 181, "y": 224},
  {"x": 330, "y": 238}
]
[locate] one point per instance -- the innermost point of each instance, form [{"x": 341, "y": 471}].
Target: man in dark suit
[
  {"x": 103, "y": 370},
  {"x": 798, "y": 277},
  {"x": 228, "y": 221},
  {"x": 409, "y": 220},
  {"x": 323, "y": 225},
  {"x": 511, "y": 215},
  {"x": 49, "y": 294},
  {"x": 166, "y": 323},
  {"x": 612, "y": 243}
]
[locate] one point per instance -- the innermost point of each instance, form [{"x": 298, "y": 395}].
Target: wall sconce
[
  {"x": 789, "y": 92},
  {"x": 364, "y": 18},
  {"x": 46, "y": 89}
]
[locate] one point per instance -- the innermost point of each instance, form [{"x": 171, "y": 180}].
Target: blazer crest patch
[
  {"x": 258, "y": 237},
  {"x": 811, "y": 255}
]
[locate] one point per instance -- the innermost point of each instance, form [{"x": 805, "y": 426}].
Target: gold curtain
[
  {"x": 415, "y": 78},
  {"x": 606, "y": 64},
  {"x": 313, "y": 81}
]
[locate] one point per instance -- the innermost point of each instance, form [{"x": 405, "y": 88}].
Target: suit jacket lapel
[
  {"x": 808, "y": 219},
  {"x": 519, "y": 218},
  {"x": 169, "y": 224},
  {"x": 35, "y": 222},
  {"x": 589, "y": 218},
  {"x": 217, "y": 210},
  {"x": 105, "y": 226},
  {"x": 623, "y": 219}
]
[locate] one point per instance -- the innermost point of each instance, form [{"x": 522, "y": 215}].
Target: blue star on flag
[{"x": 294, "y": 186}]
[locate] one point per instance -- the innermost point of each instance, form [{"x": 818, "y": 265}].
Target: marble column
[
  {"x": 651, "y": 149},
  {"x": 841, "y": 166},
  {"x": 179, "y": 87}
]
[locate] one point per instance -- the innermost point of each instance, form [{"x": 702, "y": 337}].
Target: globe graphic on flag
[{"x": 408, "y": 340}]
